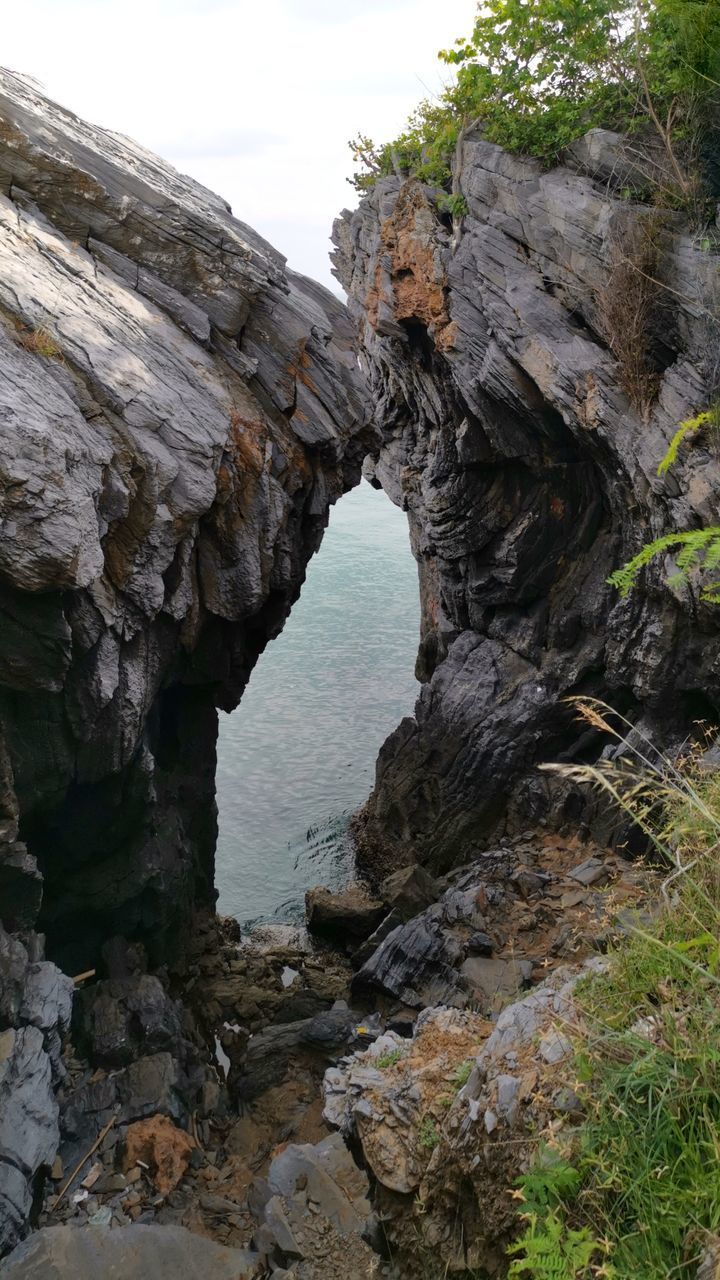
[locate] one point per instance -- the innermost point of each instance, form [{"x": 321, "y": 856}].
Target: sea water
[{"x": 297, "y": 757}]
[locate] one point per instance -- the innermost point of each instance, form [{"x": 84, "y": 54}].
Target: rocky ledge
[{"x": 529, "y": 363}]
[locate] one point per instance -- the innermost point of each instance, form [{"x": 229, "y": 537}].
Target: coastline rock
[
  {"x": 528, "y": 476},
  {"x": 173, "y": 437},
  {"x": 408, "y": 891},
  {"x": 347, "y": 916},
  {"x": 178, "y": 412}
]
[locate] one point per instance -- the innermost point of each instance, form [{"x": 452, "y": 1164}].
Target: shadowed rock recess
[{"x": 497, "y": 351}]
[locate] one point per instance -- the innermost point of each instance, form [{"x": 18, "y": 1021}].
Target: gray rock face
[
  {"x": 177, "y": 413},
  {"x": 313, "y": 1212},
  {"x": 35, "y": 1007},
  {"x": 136, "y": 1253},
  {"x": 527, "y": 476}
]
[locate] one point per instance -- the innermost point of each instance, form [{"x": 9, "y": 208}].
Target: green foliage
[
  {"x": 388, "y": 1059},
  {"x": 649, "y": 1069},
  {"x": 429, "y": 1135},
  {"x": 549, "y": 1181},
  {"x": 455, "y": 204},
  {"x": 550, "y": 1250},
  {"x": 463, "y": 1073},
  {"x": 685, "y": 429},
  {"x": 698, "y": 549},
  {"x": 538, "y": 75}
]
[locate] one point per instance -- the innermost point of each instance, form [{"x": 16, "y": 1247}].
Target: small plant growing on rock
[
  {"x": 38, "y": 341},
  {"x": 456, "y": 204},
  {"x": 695, "y": 550},
  {"x": 463, "y": 1073},
  {"x": 388, "y": 1059},
  {"x": 429, "y": 1135}
]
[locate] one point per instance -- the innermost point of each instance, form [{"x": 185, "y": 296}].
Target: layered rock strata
[
  {"x": 529, "y": 363},
  {"x": 177, "y": 411}
]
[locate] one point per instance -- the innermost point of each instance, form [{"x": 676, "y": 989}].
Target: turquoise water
[{"x": 298, "y": 756}]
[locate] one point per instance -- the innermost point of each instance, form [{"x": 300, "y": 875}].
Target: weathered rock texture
[
  {"x": 497, "y": 351},
  {"x": 177, "y": 412},
  {"x": 35, "y": 1006}
]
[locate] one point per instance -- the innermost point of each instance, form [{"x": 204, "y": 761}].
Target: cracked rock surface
[
  {"x": 177, "y": 412},
  {"x": 528, "y": 476}
]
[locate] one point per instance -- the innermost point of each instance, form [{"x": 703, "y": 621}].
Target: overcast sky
[{"x": 255, "y": 98}]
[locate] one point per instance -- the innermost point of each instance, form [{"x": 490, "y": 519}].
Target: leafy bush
[
  {"x": 538, "y": 75},
  {"x": 463, "y": 1073},
  {"x": 550, "y": 1250},
  {"x": 698, "y": 550},
  {"x": 454, "y": 204}
]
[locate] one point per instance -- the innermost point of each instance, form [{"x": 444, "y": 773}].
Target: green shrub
[
  {"x": 537, "y": 76},
  {"x": 455, "y": 204}
]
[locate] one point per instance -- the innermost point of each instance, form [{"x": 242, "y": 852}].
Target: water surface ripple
[{"x": 298, "y": 755}]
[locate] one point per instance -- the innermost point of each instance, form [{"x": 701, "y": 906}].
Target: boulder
[
  {"x": 330, "y": 1178},
  {"x": 409, "y": 890},
  {"x": 418, "y": 964},
  {"x": 314, "y": 1212},
  {"x": 29, "y": 1133},
  {"x": 492, "y": 981},
  {"x": 122, "y": 1019},
  {"x": 347, "y": 916},
  {"x": 325, "y": 1037},
  {"x": 133, "y": 1253}
]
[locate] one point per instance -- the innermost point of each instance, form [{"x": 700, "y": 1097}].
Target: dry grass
[
  {"x": 39, "y": 342},
  {"x": 630, "y": 307}
]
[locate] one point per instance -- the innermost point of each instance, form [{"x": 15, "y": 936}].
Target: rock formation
[
  {"x": 527, "y": 380},
  {"x": 177, "y": 411}
]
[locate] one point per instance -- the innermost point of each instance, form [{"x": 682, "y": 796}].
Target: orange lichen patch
[
  {"x": 418, "y": 280},
  {"x": 372, "y": 301},
  {"x": 247, "y": 443},
  {"x": 299, "y": 368},
  {"x": 446, "y": 338},
  {"x": 159, "y": 1143}
]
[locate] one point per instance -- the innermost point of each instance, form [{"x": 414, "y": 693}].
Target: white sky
[{"x": 255, "y": 98}]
